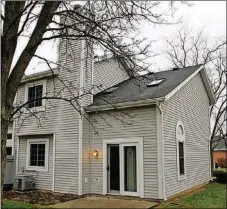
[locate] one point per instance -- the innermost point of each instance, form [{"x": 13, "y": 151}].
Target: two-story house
[{"x": 151, "y": 137}]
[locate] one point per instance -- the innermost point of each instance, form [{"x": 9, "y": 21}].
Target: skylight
[
  {"x": 155, "y": 82},
  {"x": 143, "y": 72}
]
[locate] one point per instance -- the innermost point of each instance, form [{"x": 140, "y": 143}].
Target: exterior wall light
[{"x": 95, "y": 152}]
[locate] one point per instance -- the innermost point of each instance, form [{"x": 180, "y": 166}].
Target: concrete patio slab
[{"x": 105, "y": 202}]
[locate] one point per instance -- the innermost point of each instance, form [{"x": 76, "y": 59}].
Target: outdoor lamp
[{"x": 95, "y": 152}]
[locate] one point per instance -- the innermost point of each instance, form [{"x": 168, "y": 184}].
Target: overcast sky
[{"x": 208, "y": 14}]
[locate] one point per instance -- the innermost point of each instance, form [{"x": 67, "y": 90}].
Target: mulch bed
[{"x": 38, "y": 197}]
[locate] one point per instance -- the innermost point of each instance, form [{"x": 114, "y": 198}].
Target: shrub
[
  {"x": 221, "y": 176},
  {"x": 222, "y": 162}
]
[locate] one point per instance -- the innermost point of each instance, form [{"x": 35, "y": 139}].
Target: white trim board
[
  {"x": 180, "y": 138},
  {"x": 44, "y": 91},
  {"x": 53, "y": 168},
  {"x": 122, "y": 105},
  {"x": 17, "y": 159},
  {"x": 38, "y": 141},
  {"x": 80, "y": 140},
  {"x": 207, "y": 85},
  {"x": 139, "y": 141},
  {"x": 159, "y": 152}
]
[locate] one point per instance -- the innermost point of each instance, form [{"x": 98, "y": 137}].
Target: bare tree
[
  {"x": 188, "y": 48},
  {"x": 108, "y": 25}
]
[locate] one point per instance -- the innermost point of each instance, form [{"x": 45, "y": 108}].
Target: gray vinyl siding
[
  {"x": 190, "y": 105},
  {"x": 43, "y": 179},
  {"x": 60, "y": 118},
  {"x": 108, "y": 127},
  {"x": 47, "y": 120},
  {"x": 107, "y": 73}
]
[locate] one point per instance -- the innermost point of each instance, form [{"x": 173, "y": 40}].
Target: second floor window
[{"x": 35, "y": 96}]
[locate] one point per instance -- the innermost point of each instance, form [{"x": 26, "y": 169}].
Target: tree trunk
[
  {"x": 4, "y": 130},
  {"x": 211, "y": 158}
]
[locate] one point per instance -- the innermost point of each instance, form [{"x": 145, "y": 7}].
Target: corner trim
[
  {"x": 80, "y": 140},
  {"x": 53, "y": 167},
  {"x": 159, "y": 151},
  {"x": 162, "y": 152},
  {"x": 208, "y": 87},
  {"x": 17, "y": 160}
]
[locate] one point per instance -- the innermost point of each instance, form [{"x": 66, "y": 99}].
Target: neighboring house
[
  {"x": 219, "y": 151},
  {"x": 153, "y": 130}
]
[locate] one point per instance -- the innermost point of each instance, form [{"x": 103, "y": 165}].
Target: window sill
[
  {"x": 180, "y": 178},
  {"x": 35, "y": 168},
  {"x": 34, "y": 109}
]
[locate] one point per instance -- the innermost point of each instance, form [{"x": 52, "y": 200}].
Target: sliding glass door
[{"x": 124, "y": 167}]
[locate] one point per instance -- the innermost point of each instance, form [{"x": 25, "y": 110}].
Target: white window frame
[
  {"x": 32, "y": 84},
  {"x": 140, "y": 169},
  {"x": 180, "y": 138},
  {"x": 38, "y": 141}
]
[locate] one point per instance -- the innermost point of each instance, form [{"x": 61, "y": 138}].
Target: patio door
[
  {"x": 129, "y": 169},
  {"x": 123, "y": 169}
]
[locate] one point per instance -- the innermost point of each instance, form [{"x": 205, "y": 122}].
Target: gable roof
[{"x": 136, "y": 89}]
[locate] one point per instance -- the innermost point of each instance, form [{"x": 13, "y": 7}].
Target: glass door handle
[{"x": 108, "y": 167}]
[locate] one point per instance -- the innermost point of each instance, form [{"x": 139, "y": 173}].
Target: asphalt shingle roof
[{"x": 135, "y": 88}]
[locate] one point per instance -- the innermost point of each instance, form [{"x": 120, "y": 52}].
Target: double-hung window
[
  {"x": 37, "y": 154},
  {"x": 35, "y": 96},
  {"x": 180, "y": 138},
  {"x": 34, "y": 93},
  {"x": 9, "y": 144}
]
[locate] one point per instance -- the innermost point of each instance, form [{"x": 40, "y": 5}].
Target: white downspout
[
  {"x": 162, "y": 151},
  {"x": 210, "y": 163}
]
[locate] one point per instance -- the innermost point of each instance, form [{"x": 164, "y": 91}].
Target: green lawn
[
  {"x": 15, "y": 204},
  {"x": 212, "y": 196},
  {"x": 221, "y": 169}
]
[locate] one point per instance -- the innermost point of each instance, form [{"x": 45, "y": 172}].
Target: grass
[
  {"x": 221, "y": 169},
  {"x": 212, "y": 195},
  {"x": 16, "y": 204}
]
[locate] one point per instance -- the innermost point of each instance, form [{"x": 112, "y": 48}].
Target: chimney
[{"x": 75, "y": 55}]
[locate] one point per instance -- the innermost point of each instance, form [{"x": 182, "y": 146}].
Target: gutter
[
  {"x": 39, "y": 76},
  {"x": 123, "y": 105}
]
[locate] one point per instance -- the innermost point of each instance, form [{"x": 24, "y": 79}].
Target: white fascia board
[
  {"x": 39, "y": 76},
  {"x": 174, "y": 91},
  {"x": 208, "y": 88},
  {"x": 34, "y": 134},
  {"x": 123, "y": 105}
]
